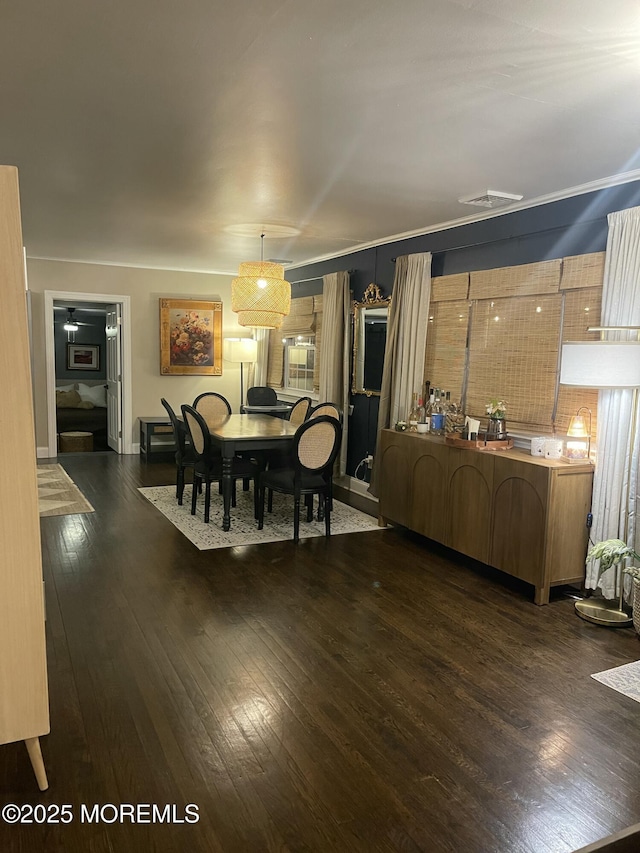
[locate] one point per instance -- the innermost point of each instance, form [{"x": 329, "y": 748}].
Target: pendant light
[{"x": 260, "y": 295}]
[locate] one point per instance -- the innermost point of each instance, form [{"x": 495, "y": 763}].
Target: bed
[{"x": 83, "y": 408}]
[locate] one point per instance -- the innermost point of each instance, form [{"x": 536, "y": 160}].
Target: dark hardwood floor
[{"x": 370, "y": 692}]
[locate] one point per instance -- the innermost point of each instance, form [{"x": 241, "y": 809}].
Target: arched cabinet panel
[
  {"x": 469, "y": 503},
  {"x": 395, "y": 474},
  {"x": 428, "y": 491},
  {"x": 518, "y": 529}
]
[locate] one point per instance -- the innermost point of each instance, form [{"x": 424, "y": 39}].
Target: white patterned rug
[
  {"x": 58, "y": 494},
  {"x": 625, "y": 679},
  {"x": 278, "y": 525}
]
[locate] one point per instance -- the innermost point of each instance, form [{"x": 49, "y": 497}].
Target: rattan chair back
[
  {"x": 316, "y": 444},
  {"x": 185, "y": 456},
  {"x": 198, "y": 431},
  {"x": 300, "y": 410},
  {"x": 331, "y": 409},
  {"x": 179, "y": 431},
  {"x": 213, "y": 407}
]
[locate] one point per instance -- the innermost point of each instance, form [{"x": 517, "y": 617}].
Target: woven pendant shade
[{"x": 260, "y": 295}]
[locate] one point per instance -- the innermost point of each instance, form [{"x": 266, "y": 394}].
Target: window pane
[{"x": 300, "y": 360}]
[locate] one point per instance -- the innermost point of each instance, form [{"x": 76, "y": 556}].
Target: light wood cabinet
[
  {"x": 521, "y": 514},
  {"x": 24, "y": 707}
]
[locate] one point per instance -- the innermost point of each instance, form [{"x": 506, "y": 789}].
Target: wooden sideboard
[{"x": 522, "y": 514}]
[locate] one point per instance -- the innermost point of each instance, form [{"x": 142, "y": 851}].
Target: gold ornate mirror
[{"x": 369, "y": 340}]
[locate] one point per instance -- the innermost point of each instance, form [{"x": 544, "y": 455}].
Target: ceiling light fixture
[
  {"x": 260, "y": 296},
  {"x": 70, "y": 324}
]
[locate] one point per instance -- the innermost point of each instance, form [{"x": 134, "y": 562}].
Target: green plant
[
  {"x": 496, "y": 408},
  {"x": 610, "y": 552}
]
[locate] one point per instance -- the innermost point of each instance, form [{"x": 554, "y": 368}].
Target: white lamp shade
[
  {"x": 241, "y": 350},
  {"x": 601, "y": 364}
]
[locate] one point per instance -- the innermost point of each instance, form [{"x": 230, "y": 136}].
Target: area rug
[
  {"x": 625, "y": 679},
  {"x": 278, "y": 525},
  {"x": 58, "y": 494}
]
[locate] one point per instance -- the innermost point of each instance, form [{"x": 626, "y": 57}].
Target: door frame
[{"x": 51, "y": 296}]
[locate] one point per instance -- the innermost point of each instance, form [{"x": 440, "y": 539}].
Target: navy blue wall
[
  {"x": 86, "y": 334},
  {"x": 572, "y": 226}
]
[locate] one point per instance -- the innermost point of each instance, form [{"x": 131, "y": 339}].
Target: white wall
[{"x": 145, "y": 287}]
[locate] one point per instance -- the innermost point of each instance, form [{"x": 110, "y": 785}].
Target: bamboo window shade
[
  {"x": 446, "y": 288},
  {"x": 317, "y": 310},
  {"x": 582, "y": 277},
  {"x": 446, "y": 350},
  {"x": 514, "y": 358},
  {"x": 523, "y": 280},
  {"x": 304, "y": 318},
  {"x": 514, "y": 341},
  {"x": 579, "y": 271}
]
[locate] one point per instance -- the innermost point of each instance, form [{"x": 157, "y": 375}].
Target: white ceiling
[{"x": 145, "y": 131}]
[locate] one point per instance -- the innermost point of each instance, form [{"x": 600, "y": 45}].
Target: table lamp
[
  {"x": 577, "y": 447},
  {"x": 240, "y": 351}
]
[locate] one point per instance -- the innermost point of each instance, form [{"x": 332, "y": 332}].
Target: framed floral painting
[{"x": 190, "y": 337}]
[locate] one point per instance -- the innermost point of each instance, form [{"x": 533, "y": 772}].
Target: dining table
[{"x": 242, "y": 434}]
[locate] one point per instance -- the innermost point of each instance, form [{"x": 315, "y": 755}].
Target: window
[
  {"x": 297, "y": 372},
  {"x": 299, "y": 363},
  {"x": 503, "y": 339}
]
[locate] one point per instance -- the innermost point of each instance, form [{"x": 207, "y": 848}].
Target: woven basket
[
  {"x": 75, "y": 442},
  {"x": 636, "y": 605}
]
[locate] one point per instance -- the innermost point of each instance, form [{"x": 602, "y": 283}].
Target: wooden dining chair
[
  {"x": 185, "y": 457},
  {"x": 282, "y": 458},
  {"x": 208, "y": 467},
  {"x": 299, "y": 411},
  {"x": 315, "y": 447},
  {"x": 331, "y": 409},
  {"x": 213, "y": 407},
  {"x": 261, "y": 395}
]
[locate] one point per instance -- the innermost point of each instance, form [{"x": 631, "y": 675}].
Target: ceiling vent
[
  {"x": 490, "y": 198},
  {"x": 282, "y": 261}
]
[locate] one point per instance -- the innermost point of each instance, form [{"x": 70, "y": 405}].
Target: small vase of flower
[{"x": 497, "y": 426}]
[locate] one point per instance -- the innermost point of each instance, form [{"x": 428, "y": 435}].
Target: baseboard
[
  {"x": 42, "y": 453},
  {"x": 354, "y": 492}
]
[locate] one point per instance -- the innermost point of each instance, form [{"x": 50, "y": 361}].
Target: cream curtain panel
[
  {"x": 616, "y": 474},
  {"x": 260, "y": 367},
  {"x": 404, "y": 355},
  {"x": 334, "y": 353}
]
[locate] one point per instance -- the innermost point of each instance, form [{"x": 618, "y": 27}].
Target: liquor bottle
[
  {"x": 449, "y": 413},
  {"x": 429, "y": 408},
  {"x": 422, "y": 416},
  {"x": 413, "y": 414},
  {"x": 437, "y": 415}
]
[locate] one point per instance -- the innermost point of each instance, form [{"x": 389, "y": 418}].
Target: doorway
[{"x": 117, "y": 355}]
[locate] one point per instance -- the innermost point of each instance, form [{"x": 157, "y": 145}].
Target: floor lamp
[
  {"x": 606, "y": 364},
  {"x": 240, "y": 351}
]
